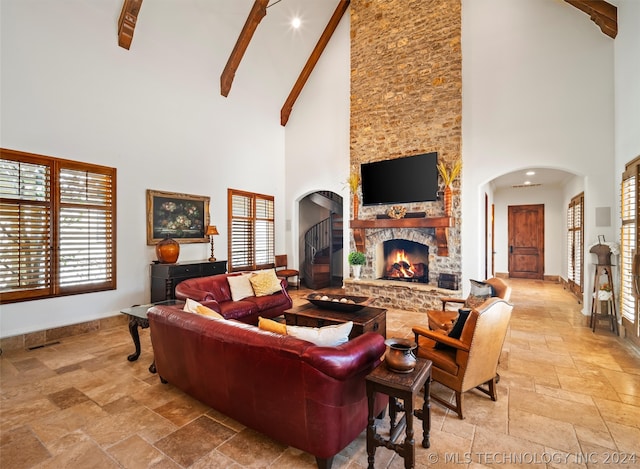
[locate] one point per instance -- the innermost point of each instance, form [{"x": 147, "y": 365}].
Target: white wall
[
  {"x": 627, "y": 85},
  {"x": 317, "y": 135},
  {"x": 537, "y": 90},
  {"x": 554, "y": 226},
  {"x": 154, "y": 112}
]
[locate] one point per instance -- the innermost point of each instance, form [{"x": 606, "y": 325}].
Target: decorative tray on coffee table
[{"x": 344, "y": 303}]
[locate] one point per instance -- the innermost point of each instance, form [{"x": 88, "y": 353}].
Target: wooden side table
[{"x": 403, "y": 386}]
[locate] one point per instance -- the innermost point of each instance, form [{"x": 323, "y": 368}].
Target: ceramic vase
[
  {"x": 356, "y": 271},
  {"x": 168, "y": 251},
  {"x": 356, "y": 206},
  {"x": 448, "y": 196}
]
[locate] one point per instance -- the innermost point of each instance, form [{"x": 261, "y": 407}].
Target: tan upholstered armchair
[
  {"x": 444, "y": 319},
  {"x": 472, "y": 360}
]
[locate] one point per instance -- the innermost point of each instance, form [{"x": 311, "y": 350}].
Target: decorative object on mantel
[
  {"x": 397, "y": 212},
  {"x": 167, "y": 250},
  {"x": 447, "y": 178},
  {"x": 212, "y": 231},
  {"x": 387, "y": 216},
  {"x": 356, "y": 261},
  {"x": 353, "y": 182}
]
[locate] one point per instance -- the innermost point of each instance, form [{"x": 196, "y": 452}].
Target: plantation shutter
[
  {"x": 629, "y": 247},
  {"x": 86, "y": 226},
  {"x": 57, "y": 227},
  {"x": 241, "y": 243},
  {"x": 25, "y": 229},
  {"x": 575, "y": 256},
  {"x": 251, "y": 226}
]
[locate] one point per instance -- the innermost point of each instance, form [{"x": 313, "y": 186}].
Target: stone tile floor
[{"x": 568, "y": 397}]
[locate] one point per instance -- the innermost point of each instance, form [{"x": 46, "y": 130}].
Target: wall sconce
[{"x": 211, "y": 232}]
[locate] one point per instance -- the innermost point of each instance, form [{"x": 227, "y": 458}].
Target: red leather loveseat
[
  {"x": 215, "y": 293},
  {"x": 302, "y": 395}
]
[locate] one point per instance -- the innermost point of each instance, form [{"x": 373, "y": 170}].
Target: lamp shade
[{"x": 211, "y": 230}]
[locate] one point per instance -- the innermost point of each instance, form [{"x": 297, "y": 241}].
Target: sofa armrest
[
  {"x": 446, "y": 300},
  {"x": 364, "y": 352},
  {"x": 439, "y": 337},
  {"x": 183, "y": 292}
]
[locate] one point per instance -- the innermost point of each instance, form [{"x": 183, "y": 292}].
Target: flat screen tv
[{"x": 401, "y": 180}]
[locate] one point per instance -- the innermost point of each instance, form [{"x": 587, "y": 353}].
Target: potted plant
[{"x": 356, "y": 261}]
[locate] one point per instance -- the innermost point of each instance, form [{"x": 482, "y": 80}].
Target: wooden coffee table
[{"x": 368, "y": 319}]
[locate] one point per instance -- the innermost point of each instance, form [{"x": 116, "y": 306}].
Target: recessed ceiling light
[
  {"x": 296, "y": 22},
  {"x": 526, "y": 183},
  {"x": 530, "y": 173}
]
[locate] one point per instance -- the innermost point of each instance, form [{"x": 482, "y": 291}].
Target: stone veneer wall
[{"x": 406, "y": 99}]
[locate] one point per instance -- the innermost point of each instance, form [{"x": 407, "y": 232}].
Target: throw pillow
[
  {"x": 480, "y": 291},
  {"x": 192, "y": 306},
  {"x": 265, "y": 283},
  {"x": 272, "y": 326},
  {"x": 327, "y": 336},
  {"x": 240, "y": 286},
  {"x": 456, "y": 330}
]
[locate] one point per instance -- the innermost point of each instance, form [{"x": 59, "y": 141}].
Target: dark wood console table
[{"x": 165, "y": 277}]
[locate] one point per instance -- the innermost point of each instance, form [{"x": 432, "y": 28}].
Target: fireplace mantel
[{"x": 441, "y": 224}]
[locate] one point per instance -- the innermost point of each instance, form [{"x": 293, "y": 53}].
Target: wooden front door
[{"x": 526, "y": 241}]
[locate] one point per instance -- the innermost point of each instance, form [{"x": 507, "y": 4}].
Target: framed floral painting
[{"x": 182, "y": 217}]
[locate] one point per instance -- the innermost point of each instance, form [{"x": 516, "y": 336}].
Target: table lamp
[{"x": 211, "y": 232}]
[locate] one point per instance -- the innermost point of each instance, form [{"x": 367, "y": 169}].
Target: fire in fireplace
[{"x": 405, "y": 260}]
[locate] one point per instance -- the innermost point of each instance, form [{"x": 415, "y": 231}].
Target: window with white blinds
[
  {"x": 57, "y": 227},
  {"x": 251, "y": 230},
  {"x": 629, "y": 246},
  {"x": 575, "y": 236}
]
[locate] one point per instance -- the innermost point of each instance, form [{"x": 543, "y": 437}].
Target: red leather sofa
[
  {"x": 302, "y": 395},
  {"x": 214, "y": 292}
]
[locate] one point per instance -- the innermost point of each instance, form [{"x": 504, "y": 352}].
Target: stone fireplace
[
  {"x": 390, "y": 242},
  {"x": 404, "y": 260},
  {"x": 406, "y": 99}
]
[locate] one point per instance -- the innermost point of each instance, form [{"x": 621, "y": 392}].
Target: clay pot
[
  {"x": 168, "y": 251},
  {"x": 400, "y": 356}
]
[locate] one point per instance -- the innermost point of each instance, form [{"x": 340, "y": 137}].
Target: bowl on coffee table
[{"x": 344, "y": 303}]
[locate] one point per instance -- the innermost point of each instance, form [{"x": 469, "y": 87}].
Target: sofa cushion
[
  {"x": 272, "y": 326},
  {"x": 265, "y": 283},
  {"x": 192, "y": 306},
  {"x": 240, "y": 286},
  {"x": 456, "y": 330},
  {"x": 238, "y": 309},
  {"x": 480, "y": 291},
  {"x": 327, "y": 336}
]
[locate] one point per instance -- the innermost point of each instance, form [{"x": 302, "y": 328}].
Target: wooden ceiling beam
[
  {"x": 602, "y": 13},
  {"x": 127, "y": 22},
  {"x": 258, "y": 11},
  {"x": 285, "y": 112}
]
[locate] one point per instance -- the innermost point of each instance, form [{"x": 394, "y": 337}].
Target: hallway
[{"x": 567, "y": 396}]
